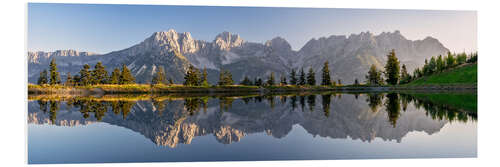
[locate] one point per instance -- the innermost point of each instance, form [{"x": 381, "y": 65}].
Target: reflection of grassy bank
[{"x": 464, "y": 101}]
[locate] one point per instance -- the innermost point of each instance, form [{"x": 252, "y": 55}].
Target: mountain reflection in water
[{"x": 170, "y": 121}]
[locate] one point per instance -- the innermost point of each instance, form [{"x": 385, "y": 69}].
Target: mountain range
[{"x": 349, "y": 56}]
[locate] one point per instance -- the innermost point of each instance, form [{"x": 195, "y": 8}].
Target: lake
[{"x": 306, "y": 126}]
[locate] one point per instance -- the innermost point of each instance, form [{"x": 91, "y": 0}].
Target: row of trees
[
  {"x": 87, "y": 76},
  {"x": 395, "y": 75}
]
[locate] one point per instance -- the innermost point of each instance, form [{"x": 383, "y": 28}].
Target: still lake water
[{"x": 283, "y": 127}]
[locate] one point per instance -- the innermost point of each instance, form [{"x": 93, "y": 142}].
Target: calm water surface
[{"x": 284, "y": 127}]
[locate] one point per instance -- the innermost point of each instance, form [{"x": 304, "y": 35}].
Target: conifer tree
[
  {"x": 356, "y": 82},
  {"x": 339, "y": 82},
  {"x": 293, "y": 77},
  {"x": 204, "y": 80},
  {"x": 405, "y": 77},
  {"x": 270, "y": 80},
  {"x": 126, "y": 76},
  {"x": 192, "y": 77},
  {"x": 440, "y": 64},
  {"x": 99, "y": 74},
  {"x": 246, "y": 81},
  {"x": 69, "y": 80},
  {"x": 115, "y": 76},
  {"x": 85, "y": 76},
  {"x": 55, "y": 78},
  {"x": 326, "y": 80},
  {"x": 450, "y": 61},
  {"x": 374, "y": 76},
  {"x": 302, "y": 77},
  {"x": 392, "y": 68},
  {"x": 43, "y": 78},
  {"x": 76, "y": 80},
  {"x": 311, "y": 80},
  {"x": 283, "y": 81},
  {"x": 258, "y": 82},
  {"x": 432, "y": 65},
  {"x": 159, "y": 77}
]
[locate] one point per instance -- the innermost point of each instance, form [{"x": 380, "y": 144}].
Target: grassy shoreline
[{"x": 237, "y": 89}]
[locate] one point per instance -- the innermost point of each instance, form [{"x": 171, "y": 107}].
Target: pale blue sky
[{"x": 104, "y": 28}]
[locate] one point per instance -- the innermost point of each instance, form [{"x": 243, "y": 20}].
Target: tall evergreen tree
[
  {"x": 115, "y": 76},
  {"x": 126, "y": 76},
  {"x": 85, "y": 76},
  {"x": 339, "y": 82},
  {"x": 311, "y": 80},
  {"x": 374, "y": 76},
  {"x": 283, "y": 81},
  {"x": 192, "y": 76},
  {"x": 293, "y": 77},
  {"x": 440, "y": 64},
  {"x": 356, "y": 82},
  {"x": 225, "y": 78},
  {"x": 43, "y": 78},
  {"x": 432, "y": 65},
  {"x": 258, "y": 82},
  {"x": 405, "y": 77},
  {"x": 55, "y": 78},
  {"x": 392, "y": 68},
  {"x": 302, "y": 77},
  {"x": 159, "y": 77},
  {"x": 270, "y": 80},
  {"x": 326, "y": 80},
  {"x": 246, "y": 81},
  {"x": 450, "y": 61},
  {"x": 69, "y": 80},
  {"x": 76, "y": 80},
  {"x": 204, "y": 80},
  {"x": 99, "y": 74}
]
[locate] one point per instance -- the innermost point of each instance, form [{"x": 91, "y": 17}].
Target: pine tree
[
  {"x": 302, "y": 77},
  {"x": 440, "y": 64},
  {"x": 392, "y": 68},
  {"x": 450, "y": 61},
  {"x": 225, "y": 78},
  {"x": 204, "y": 80},
  {"x": 246, "y": 81},
  {"x": 43, "y": 78},
  {"x": 126, "y": 76},
  {"x": 192, "y": 77},
  {"x": 425, "y": 69},
  {"x": 270, "y": 80},
  {"x": 283, "y": 80},
  {"x": 339, "y": 82},
  {"x": 405, "y": 77},
  {"x": 432, "y": 65},
  {"x": 55, "y": 78},
  {"x": 159, "y": 77},
  {"x": 76, "y": 80},
  {"x": 374, "y": 76},
  {"x": 311, "y": 80},
  {"x": 293, "y": 77},
  {"x": 356, "y": 82},
  {"x": 326, "y": 80},
  {"x": 85, "y": 76},
  {"x": 258, "y": 82},
  {"x": 115, "y": 76},
  {"x": 99, "y": 74},
  {"x": 69, "y": 80}
]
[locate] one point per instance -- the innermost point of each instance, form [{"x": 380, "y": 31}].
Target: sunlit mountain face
[{"x": 349, "y": 56}]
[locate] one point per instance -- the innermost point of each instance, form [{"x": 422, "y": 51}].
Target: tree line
[
  {"x": 87, "y": 76},
  {"x": 395, "y": 74}
]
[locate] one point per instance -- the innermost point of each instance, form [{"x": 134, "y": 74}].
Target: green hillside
[{"x": 464, "y": 75}]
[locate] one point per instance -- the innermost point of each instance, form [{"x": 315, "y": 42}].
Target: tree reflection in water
[{"x": 393, "y": 104}]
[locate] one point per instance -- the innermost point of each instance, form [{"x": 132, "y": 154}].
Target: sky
[{"x": 104, "y": 28}]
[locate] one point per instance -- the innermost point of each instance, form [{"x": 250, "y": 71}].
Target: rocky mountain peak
[
  {"x": 278, "y": 43},
  {"x": 173, "y": 41},
  {"x": 226, "y": 40}
]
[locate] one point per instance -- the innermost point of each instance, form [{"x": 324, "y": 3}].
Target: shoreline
[{"x": 100, "y": 90}]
